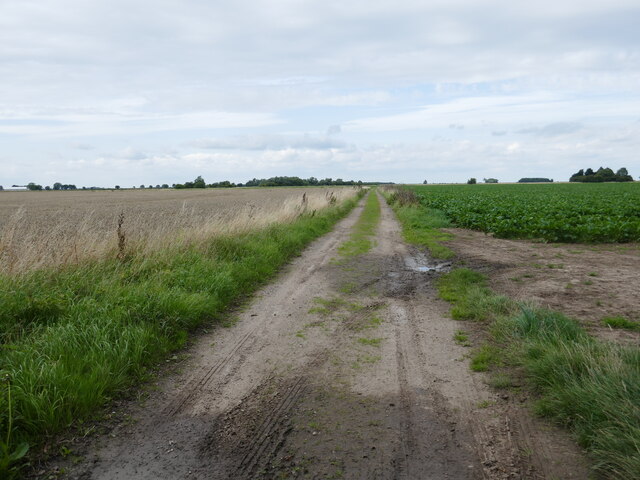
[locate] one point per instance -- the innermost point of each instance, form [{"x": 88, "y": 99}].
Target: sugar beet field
[{"x": 569, "y": 213}]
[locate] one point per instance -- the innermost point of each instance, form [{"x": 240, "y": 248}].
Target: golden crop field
[{"x": 47, "y": 228}]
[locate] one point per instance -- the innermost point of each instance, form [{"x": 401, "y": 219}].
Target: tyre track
[
  {"x": 272, "y": 433},
  {"x": 200, "y": 381}
]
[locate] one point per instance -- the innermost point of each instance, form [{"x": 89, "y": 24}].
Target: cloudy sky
[{"x": 136, "y": 92}]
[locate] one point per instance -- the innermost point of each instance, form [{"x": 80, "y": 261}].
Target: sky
[{"x": 99, "y": 93}]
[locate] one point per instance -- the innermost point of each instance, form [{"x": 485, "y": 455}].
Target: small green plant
[
  {"x": 373, "y": 342},
  {"x": 621, "y": 322},
  {"x": 501, "y": 380},
  {"x": 348, "y": 287},
  {"x": 485, "y": 357},
  {"x": 461, "y": 338}
]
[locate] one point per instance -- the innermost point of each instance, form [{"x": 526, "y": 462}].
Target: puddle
[{"x": 422, "y": 263}]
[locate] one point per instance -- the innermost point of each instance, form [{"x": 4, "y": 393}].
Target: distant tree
[
  {"x": 425, "y": 182},
  {"x": 1, "y": 188},
  {"x": 223, "y": 184},
  {"x": 57, "y": 186},
  {"x": 164, "y": 185},
  {"x": 47, "y": 187},
  {"x": 472, "y": 181},
  {"x": 622, "y": 172},
  {"x": 150, "y": 186},
  {"x": 157, "y": 186},
  {"x": 588, "y": 172},
  {"x": 199, "y": 182},
  {"x": 490, "y": 180},
  {"x": 117, "y": 187},
  {"x": 142, "y": 186},
  {"x": 33, "y": 186}
]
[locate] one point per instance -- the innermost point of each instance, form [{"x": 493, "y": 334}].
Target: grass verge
[
  {"x": 421, "y": 226},
  {"x": 590, "y": 386},
  {"x": 361, "y": 239},
  {"x": 73, "y": 338}
]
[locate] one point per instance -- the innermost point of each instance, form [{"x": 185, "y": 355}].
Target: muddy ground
[
  {"x": 586, "y": 282},
  {"x": 341, "y": 368}
]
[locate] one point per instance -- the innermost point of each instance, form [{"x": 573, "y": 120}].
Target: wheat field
[{"x": 44, "y": 229}]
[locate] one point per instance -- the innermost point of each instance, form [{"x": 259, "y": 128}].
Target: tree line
[
  {"x": 199, "y": 182},
  {"x": 601, "y": 175}
]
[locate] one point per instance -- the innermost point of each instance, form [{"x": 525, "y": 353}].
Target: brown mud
[{"x": 341, "y": 368}]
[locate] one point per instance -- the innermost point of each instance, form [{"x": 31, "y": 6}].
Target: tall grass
[
  {"x": 590, "y": 386},
  {"x": 75, "y": 337}
]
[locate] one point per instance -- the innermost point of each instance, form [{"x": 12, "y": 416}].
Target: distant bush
[
  {"x": 472, "y": 181},
  {"x": 490, "y": 180},
  {"x": 535, "y": 180}
]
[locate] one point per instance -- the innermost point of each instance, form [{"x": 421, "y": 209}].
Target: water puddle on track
[{"x": 419, "y": 262}]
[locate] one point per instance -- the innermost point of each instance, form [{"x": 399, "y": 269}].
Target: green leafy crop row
[{"x": 554, "y": 212}]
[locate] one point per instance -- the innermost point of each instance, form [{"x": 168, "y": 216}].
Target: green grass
[
  {"x": 461, "y": 338},
  {"x": 592, "y": 387},
  {"x": 73, "y": 339},
  {"x": 485, "y": 357},
  {"x": 501, "y": 380},
  {"x": 363, "y": 232},
  {"x": 471, "y": 298},
  {"x": 421, "y": 226},
  {"x": 373, "y": 342},
  {"x": 621, "y": 322}
]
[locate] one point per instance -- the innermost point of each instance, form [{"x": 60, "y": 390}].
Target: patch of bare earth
[
  {"x": 342, "y": 368},
  {"x": 586, "y": 282}
]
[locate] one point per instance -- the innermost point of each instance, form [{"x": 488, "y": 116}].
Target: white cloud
[
  {"x": 271, "y": 142},
  {"x": 78, "y": 79}
]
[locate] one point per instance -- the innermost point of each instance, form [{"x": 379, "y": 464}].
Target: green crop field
[{"x": 590, "y": 213}]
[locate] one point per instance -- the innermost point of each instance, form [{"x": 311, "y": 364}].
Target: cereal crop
[{"x": 39, "y": 229}]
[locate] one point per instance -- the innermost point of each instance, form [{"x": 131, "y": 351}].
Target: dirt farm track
[{"x": 338, "y": 369}]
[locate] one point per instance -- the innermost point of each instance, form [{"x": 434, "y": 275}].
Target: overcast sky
[{"x": 137, "y": 92}]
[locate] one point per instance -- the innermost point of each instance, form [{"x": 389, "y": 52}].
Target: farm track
[{"x": 336, "y": 370}]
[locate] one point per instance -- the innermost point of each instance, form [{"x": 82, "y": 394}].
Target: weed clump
[{"x": 621, "y": 322}]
